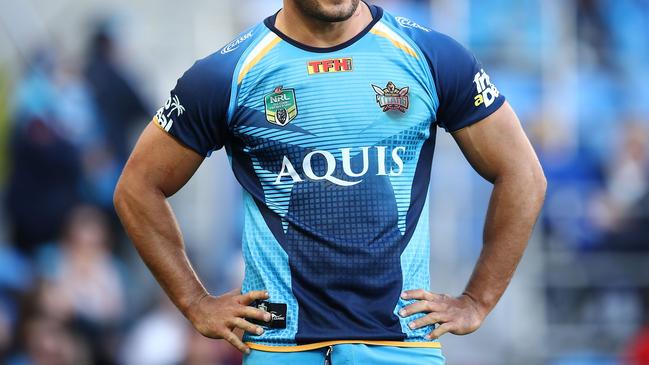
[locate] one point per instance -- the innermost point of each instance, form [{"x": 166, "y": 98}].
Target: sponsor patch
[
  {"x": 405, "y": 22},
  {"x": 165, "y": 114},
  {"x": 277, "y": 314},
  {"x": 487, "y": 91},
  {"x": 235, "y": 43},
  {"x": 330, "y": 65}
]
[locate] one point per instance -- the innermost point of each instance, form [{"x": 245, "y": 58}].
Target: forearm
[
  {"x": 514, "y": 206},
  {"x": 152, "y": 227}
]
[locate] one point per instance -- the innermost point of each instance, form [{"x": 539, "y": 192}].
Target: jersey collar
[{"x": 377, "y": 14}]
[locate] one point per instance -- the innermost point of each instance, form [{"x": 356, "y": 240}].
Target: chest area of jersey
[{"x": 324, "y": 102}]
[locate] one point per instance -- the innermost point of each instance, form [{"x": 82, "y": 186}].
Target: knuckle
[
  {"x": 232, "y": 339},
  {"x": 258, "y": 313},
  {"x": 245, "y": 312}
]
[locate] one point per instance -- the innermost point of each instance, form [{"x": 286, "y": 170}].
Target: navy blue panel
[
  {"x": 454, "y": 70},
  {"x": 420, "y": 183},
  {"x": 196, "y": 113}
]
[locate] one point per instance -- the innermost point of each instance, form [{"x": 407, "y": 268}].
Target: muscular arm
[
  {"x": 499, "y": 151},
  {"x": 158, "y": 167}
]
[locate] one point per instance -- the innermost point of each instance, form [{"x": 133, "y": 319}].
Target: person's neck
[{"x": 321, "y": 34}]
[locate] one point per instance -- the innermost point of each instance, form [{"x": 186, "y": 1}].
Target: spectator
[
  {"x": 119, "y": 104},
  {"x": 86, "y": 274}
]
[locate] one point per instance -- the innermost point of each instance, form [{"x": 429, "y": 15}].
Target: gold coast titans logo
[{"x": 392, "y": 98}]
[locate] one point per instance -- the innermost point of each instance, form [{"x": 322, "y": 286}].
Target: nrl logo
[
  {"x": 392, "y": 98},
  {"x": 281, "y": 106}
]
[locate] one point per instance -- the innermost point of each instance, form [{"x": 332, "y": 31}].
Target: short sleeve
[
  {"x": 196, "y": 110},
  {"x": 465, "y": 91}
]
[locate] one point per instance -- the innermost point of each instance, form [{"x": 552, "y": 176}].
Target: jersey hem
[{"x": 317, "y": 345}]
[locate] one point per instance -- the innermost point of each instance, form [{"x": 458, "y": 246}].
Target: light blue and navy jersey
[{"x": 333, "y": 148}]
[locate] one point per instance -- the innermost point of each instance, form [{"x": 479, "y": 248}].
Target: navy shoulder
[
  {"x": 465, "y": 91},
  {"x": 196, "y": 111}
]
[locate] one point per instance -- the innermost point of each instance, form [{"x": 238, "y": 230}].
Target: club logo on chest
[{"x": 392, "y": 98}]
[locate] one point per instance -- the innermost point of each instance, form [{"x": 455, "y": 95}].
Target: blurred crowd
[
  {"x": 73, "y": 292},
  {"x": 64, "y": 277}
]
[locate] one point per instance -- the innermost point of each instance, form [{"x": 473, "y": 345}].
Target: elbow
[
  {"x": 122, "y": 195},
  {"x": 529, "y": 181},
  {"x": 119, "y": 197},
  {"x": 537, "y": 183},
  {"x": 132, "y": 192}
]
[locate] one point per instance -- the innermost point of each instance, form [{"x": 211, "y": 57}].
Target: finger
[
  {"x": 247, "y": 326},
  {"x": 440, "y": 330},
  {"x": 427, "y": 320},
  {"x": 236, "y": 342},
  {"x": 254, "y": 313},
  {"x": 251, "y": 296},
  {"x": 419, "y": 307},
  {"x": 420, "y": 294}
]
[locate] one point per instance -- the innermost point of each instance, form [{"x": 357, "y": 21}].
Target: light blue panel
[
  {"x": 416, "y": 273},
  {"x": 267, "y": 269}
]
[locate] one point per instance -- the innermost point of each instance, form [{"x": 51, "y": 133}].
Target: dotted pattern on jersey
[
  {"x": 412, "y": 139},
  {"x": 267, "y": 150},
  {"x": 343, "y": 234},
  {"x": 416, "y": 274},
  {"x": 267, "y": 268}
]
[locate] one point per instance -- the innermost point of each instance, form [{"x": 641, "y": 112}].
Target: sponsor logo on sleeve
[
  {"x": 330, "y": 65},
  {"x": 487, "y": 91},
  {"x": 235, "y": 43},
  {"x": 407, "y": 23},
  {"x": 165, "y": 114}
]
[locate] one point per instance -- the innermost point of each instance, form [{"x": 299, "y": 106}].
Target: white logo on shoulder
[
  {"x": 165, "y": 114},
  {"x": 487, "y": 91},
  {"x": 235, "y": 43},
  {"x": 405, "y": 22}
]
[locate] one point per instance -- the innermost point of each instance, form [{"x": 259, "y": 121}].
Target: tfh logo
[{"x": 330, "y": 65}]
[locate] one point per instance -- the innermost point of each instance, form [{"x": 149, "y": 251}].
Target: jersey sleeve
[
  {"x": 465, "y": 91},
  {"x": 196, "y": 111}
]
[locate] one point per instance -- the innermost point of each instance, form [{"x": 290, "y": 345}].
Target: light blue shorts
[{"x": 350, "y": 354}]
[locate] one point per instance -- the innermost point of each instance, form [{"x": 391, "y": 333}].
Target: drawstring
[{"x": 327, "y": 359}]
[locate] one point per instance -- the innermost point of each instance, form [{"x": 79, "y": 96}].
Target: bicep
[
  {"x": 160, "y": 161},
  {"x": 497, "y": 145}
]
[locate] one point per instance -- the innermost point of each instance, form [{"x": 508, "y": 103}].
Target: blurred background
[{"x": 80, "y": 79}]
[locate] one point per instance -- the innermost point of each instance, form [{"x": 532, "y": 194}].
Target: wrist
[
  {"x": 480, "y": 306},
  {"x": 189, "y": 310}
]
